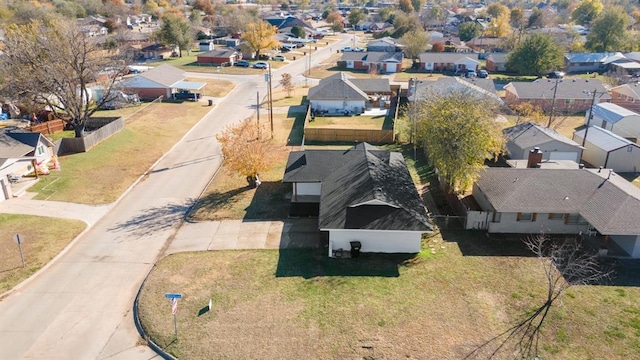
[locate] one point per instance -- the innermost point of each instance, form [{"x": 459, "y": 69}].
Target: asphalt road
[{"x": 81, "y": 306}]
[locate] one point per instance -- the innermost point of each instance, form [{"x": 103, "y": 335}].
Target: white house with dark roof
[
  {"x": 602, "y": 148},
  {"x": 339, "y": 94},
  {"x": 558, "y": 201},
  {"x": 589, "y": 62},
  {"x": 453, "y": 62},
  {"x": 364, "y": 197},
  {"x": 614, "y": 118},
  {"x": 383, "y": 62},
  {"x": 524, "y": 137}
]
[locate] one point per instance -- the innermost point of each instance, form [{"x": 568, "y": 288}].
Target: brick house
[
  {"x": 383, "y": 62},
  {"x": 219, "y": 57},
  {"x": 572, "y": 96},
  {"x": 453, "y": 62},
  {"x": 627, "y": 96}
]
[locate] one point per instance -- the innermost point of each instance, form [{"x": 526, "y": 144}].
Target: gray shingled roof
[
  {"x": 567, "y": 89},
  {"x": 481, "y": 89},
  {"x": 164, "y": 74},
  {"x": 611, "y": 206},
  {"x": 15, "y": 143},
  {"x": 372, "y": 56},
  {"x": 373, "y": 86},
  {"x": 218, "y": 53},
  {"x": 336, "y": 87},
  {"x": 528, "y": 134},
  {"x": 362, "y": 188},
  {"x": 603, "y": 138}
]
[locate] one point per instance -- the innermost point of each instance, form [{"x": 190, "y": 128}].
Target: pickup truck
[{"x": 186, "y": 95}]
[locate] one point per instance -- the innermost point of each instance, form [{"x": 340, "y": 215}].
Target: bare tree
[
  {"x": 53, "y": 64},
  {"x": 565, "y": 263},
  {"x": 287, "y": 84}
]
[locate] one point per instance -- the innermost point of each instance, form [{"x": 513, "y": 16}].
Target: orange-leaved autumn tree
[
  {"x": 244, "y": 151},
  {"x": 260, "y": 36}
]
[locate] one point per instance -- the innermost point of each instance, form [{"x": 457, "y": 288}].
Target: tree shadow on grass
[
  {"x": 476, "y": 243},
  {"x": 269, "y": 202},
  {"x": 154, "y": 219},
  {"x": 312, "y": 263},
  {"x": 214, "y": 202}
]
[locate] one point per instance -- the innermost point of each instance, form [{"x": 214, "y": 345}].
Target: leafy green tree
[
  {"x": 499, "y": 26},
  {"x": 356, "y": 16},
  {"x": 536, "y": 19},
  {"x": 536, "y": 55},
  {"x": 403, "y": 23},
  {"x": 586, "y": 11},
  {"x": 468, "y": 31},
  {"x": 406, "y": 6},
  {"x": 298, "y": 32},
  {"x": 415, "y": 42},
  {"x": 417, "y": 5},
  {"x": 195, "y": 18},
  {"x": 175, "y": 30},
  {"x": 458, "y": 131},
  {"x": 608, "y": 31}
]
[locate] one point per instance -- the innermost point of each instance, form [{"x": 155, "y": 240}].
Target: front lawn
[
  {"x": 43, "y": 238},
  {"x": 98, "y": 176},
  {"x": 297, "y": 303}
]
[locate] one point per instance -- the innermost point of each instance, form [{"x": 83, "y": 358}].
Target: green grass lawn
[
  {"x": 99, "y": 177},
  {"x": 293, "y": 304},
  {"x": 43, "y": 238}
]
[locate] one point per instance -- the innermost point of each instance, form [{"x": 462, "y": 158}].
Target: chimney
[{"x": 535, "y": 158}]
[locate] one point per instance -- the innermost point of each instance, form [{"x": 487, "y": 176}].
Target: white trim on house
[{"x": 375, "y": 202}]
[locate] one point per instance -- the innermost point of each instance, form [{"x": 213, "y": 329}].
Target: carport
[{"x": 187, "y": 89}]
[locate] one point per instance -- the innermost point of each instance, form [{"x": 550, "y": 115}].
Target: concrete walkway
[{"x": 23, "y": 205}]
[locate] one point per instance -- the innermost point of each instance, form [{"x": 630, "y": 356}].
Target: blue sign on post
[
  {"x": 266, "y": 77},
  {"x": 173, "y": 296}
]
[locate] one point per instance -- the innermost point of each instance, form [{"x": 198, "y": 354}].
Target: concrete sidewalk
[
  {"x": 90, "y": 214},
  {"x": 240, "y": 234}
]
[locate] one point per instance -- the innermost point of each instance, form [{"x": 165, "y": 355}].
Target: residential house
[
  {"x": 570, "y": 97},
  {"x": 527, "y": 136},
  {"x": 385, "y": 44},
  {"x": 486, "y": 44},
  {"x": 558, "y": 201},
  {"x": 366, "y": 199},
  {"x": 205, "y": 45},
  {"x": 219, "y": 57},
  {"x": 382, "y": 62},
  {"x": 162, "y": 81},
  {"x": 339, "y": 94},
  {"x": 497, "y": 62},
  {"x": 381, "y": 26},
  {"x": 156, "y": 52},
  {"x": 481, "y": 89},
  {"x": 20, "y": 153},
  {"x": 448, "y": 62},
  {"x": 580, "y": 63},
  {"x": 602, "y": 148},
  {"x": 451, "y": 44},
  {"x": 618, "y": 120},
  {"x": 627, "y": 96},
  {"x": 286, "y": 23}
]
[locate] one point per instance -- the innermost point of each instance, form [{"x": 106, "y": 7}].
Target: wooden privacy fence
[
  {"x": 347, "y": 135},
  {"x": 101, "y": 129},
  {"x": 48, "y": 127}
]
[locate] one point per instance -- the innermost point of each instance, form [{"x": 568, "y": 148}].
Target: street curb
[{"x": 136, "y": 320}]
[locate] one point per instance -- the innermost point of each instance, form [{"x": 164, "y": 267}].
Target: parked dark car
[
  {"x": 243, "y": 63},
  {"x": 555, "y": 75},
  {"x": 264, "y": 57},
  {"x": 284, "y": 49},
  {"x": 483, "y": 74},
  {"x": 186, "y": 95}
]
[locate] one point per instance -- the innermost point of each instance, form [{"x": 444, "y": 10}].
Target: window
[
  {"x": 556, "y": 216},
  {"x": 572, "y": 218},
  {"x": 496, "y": 217},
  {"x": 568, "y": 101},
  {"x": 526, "y": 217}
]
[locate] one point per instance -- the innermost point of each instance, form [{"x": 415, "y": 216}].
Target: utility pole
[
  {"x": 553, "y": 103},
  {"x": 593, "y": 103},
  {"x": 270, "y": 102},
  {"x": 258, "y": 111}
]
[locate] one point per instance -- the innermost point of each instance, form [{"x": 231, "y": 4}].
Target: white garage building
[{"x": 524, "y": 137}]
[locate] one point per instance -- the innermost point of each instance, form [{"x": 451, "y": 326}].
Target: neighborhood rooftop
[
  {"x": 604, "y": 139},
  {"x": 611, "y": 112},
  {"x": 577, "y": 89},
  {"x": 336, "y": 87},
  {"x": 528, "y": 134},
  {"x": 601, "y": 198}
]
